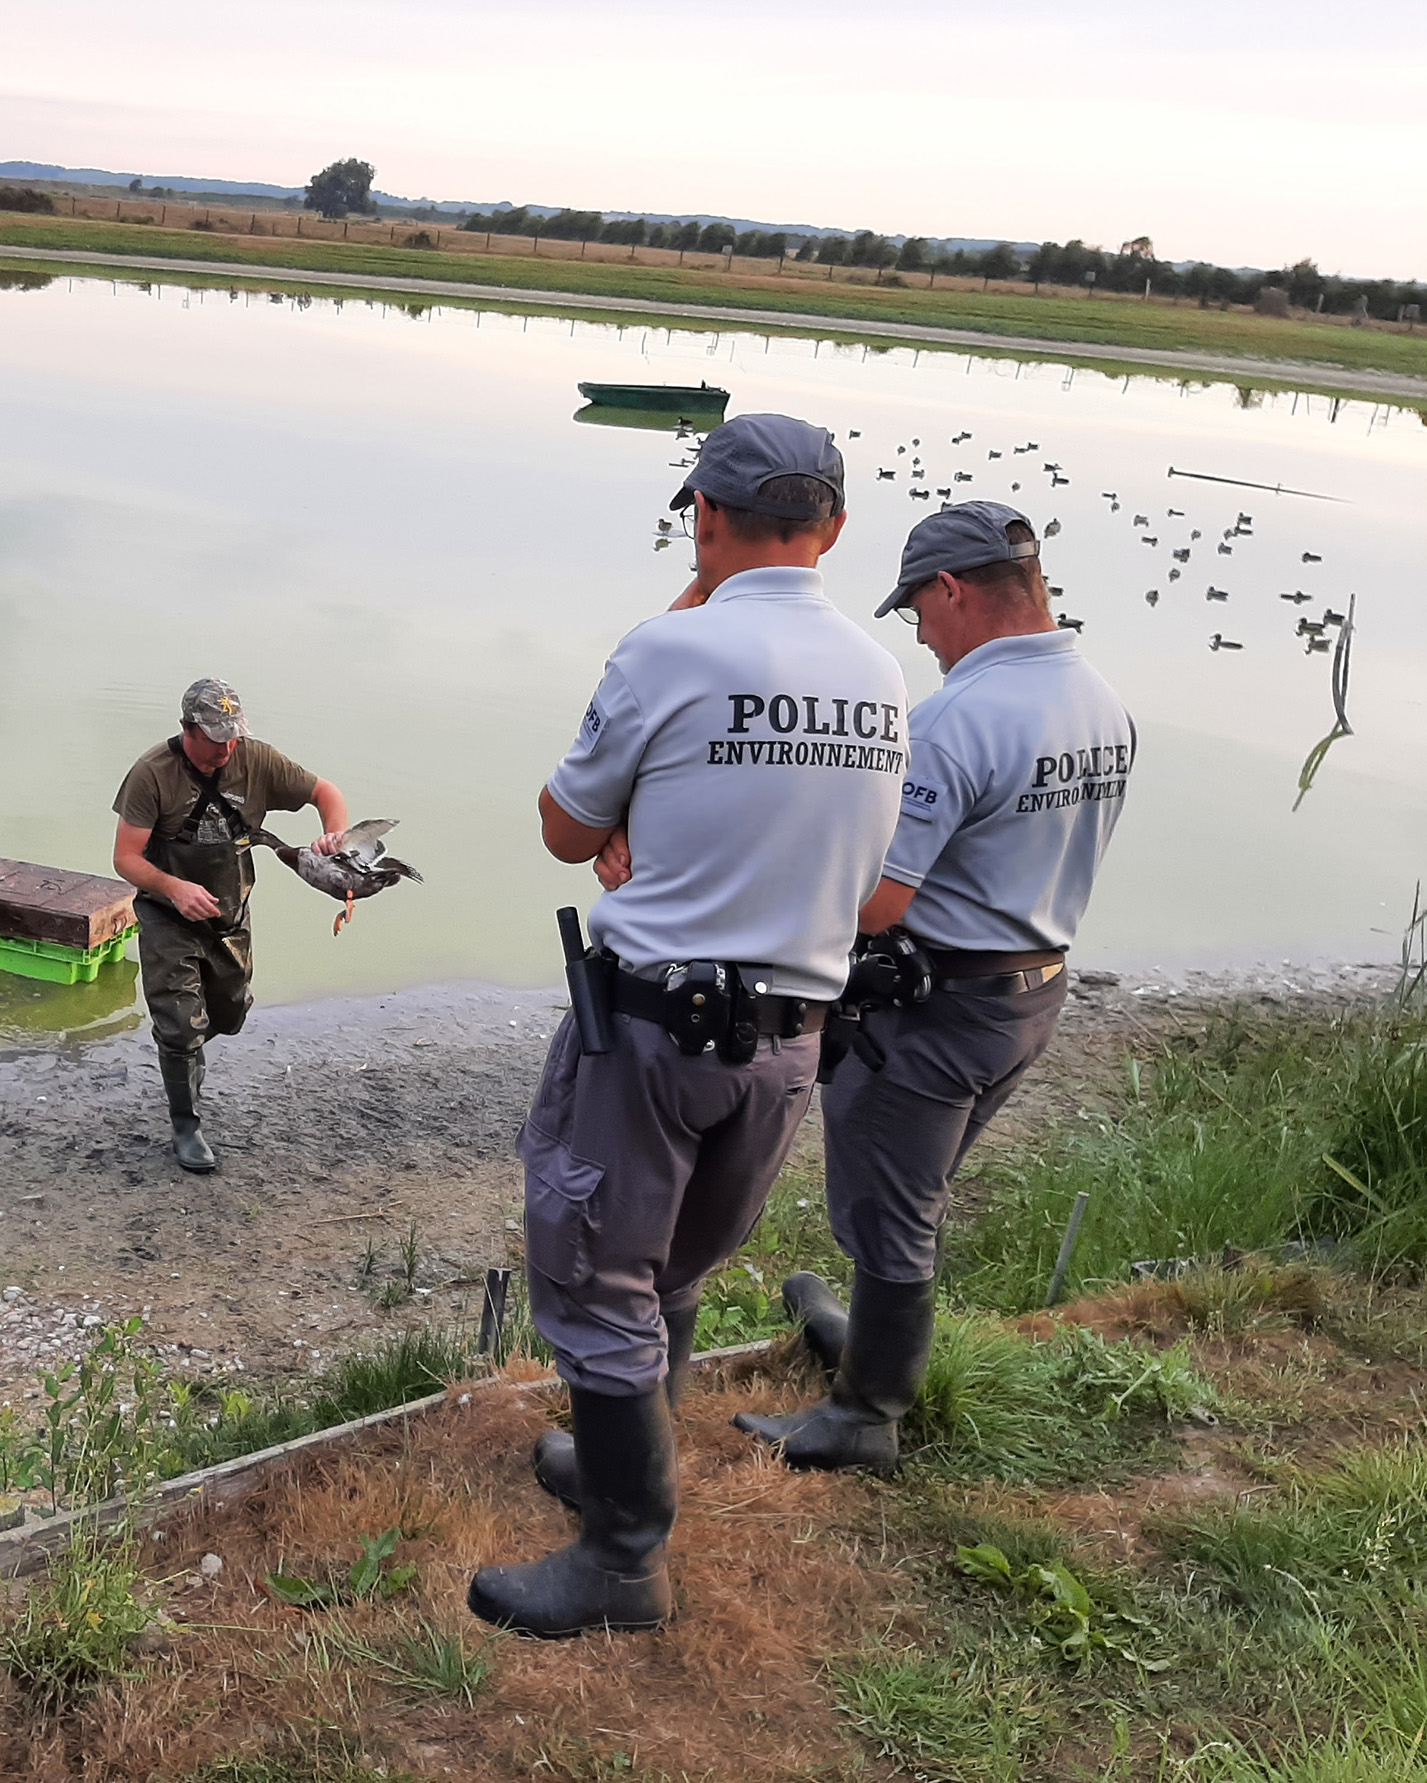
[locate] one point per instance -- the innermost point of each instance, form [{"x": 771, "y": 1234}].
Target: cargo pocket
[{"x": 559, "y": 1220}]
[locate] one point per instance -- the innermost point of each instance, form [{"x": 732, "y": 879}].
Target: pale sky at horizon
[{"x": 1245, "y": 134}]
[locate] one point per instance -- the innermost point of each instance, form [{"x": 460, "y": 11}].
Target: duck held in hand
[{"x": 360, "y": 868}]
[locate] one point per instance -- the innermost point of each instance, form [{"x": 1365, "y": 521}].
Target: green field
[{"x": 1105, "y": 322}]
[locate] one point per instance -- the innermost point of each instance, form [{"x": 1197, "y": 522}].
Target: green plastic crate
[{"x": 57, "y": 964}]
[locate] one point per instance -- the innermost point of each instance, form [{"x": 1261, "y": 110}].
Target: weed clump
[{"x": 77, "y": 1628}]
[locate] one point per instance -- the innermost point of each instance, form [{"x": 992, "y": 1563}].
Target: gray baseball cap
[
  {"x": 216, "y": 709},
  {"x": 967, "y": 536},
  {"x": 738, "y": 458}
]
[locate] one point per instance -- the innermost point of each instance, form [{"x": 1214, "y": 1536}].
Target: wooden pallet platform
[{"x": 49, "y": 904}]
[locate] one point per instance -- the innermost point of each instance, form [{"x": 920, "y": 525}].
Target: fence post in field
[{"x": 1067, "y": 1248}]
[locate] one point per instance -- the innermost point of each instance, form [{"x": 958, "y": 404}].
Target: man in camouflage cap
[{"x": 186, "y": 812}]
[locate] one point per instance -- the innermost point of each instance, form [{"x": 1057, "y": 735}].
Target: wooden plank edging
[{"x": 26, "y": 1549}]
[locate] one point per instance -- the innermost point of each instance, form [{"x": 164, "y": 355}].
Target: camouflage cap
[{"x": 217, "y": 711}]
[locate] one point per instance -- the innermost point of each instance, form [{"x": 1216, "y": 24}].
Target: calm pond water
[{"x": 386, "y": 530}]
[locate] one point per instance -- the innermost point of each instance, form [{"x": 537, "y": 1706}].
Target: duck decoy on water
[
  {"x": 920, "y": 494},
  {"x": 1226, "y": 550},
  {"x": 1244, "y": 520},
  {"x": 916, "y": 442},
  {"x": 900, "y": 450},
  {"x": 1318, "y": 644},
  {"x": 1058, "y": 482},
  {"x": 1332, "y": 618},
  {"x": 854, "y": 433},
  {"x": 1140, "y": 520},
  {"x": 1109, "y": 495},
  {"x": 1181, "y": 555},
  {"x": 665, "y": 525},
  {"x": 1195, "y": 533},
  {"x": 1297, "y": 597},
  {"x": 1145, "y": 539},
  {"x": 1014, "y": 487},
  {"x": 1216, "y": 594},
  {"x": 1220, "y": 642},
  {"x": 957, "y": 438},
  {"x": 1310, "y": 628},
  {"x": 1152, "y": 597},
  {"x": 1052, "y": 527},
  {"x": 884, "y": 476},
  {"x": 946, "y": 491},
  {"x": 360, "y": 868},
  {"x": 962, "y": 477},
  {"x": 919, "y": 470},
  {"x": 993, "y": 454},
  {"x": 1114, "y": 507},
  {"x": 1033, "y": 445},
  {"x": 1175, "y": 513},
  {"x": 1066, "y": 623},
  {"x": 1174, "y": 575},
  {"x": 1311, "y": 557}
]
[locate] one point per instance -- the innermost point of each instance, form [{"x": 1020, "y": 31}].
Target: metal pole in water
[{"x": 1067, "y": 1248}]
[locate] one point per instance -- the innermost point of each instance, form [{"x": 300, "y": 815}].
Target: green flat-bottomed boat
[{"x": 678, "y": 399}]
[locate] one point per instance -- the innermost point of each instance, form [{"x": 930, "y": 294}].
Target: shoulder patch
[
  {"x": 592, "y": 727},
  {"x": 923, "y": 799}
]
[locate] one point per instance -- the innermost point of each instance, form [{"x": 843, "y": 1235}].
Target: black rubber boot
[
  {"x": 811, "y": 1303},
  {"x": 889, "y": 1335},
  {"x": 554, "y": 1456},
  {"x": 182, "y": 1072},
  {"x": 615, "y": 1575}
]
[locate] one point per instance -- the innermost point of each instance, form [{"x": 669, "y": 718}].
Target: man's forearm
[
  {"x": 331, "y": 808},
  {"x": 144, "y": 876}
]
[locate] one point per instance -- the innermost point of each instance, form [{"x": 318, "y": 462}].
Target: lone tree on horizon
[{"x": 341, "y": 187}]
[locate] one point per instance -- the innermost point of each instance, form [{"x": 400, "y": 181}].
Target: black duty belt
[
  {"x": 786, "y": 1017},
  {"x": 1002, "y": 984}
]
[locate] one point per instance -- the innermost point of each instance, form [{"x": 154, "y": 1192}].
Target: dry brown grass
[{"x": 767, "y": 1586}]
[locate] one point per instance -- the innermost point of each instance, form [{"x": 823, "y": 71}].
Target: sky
[{"x": 1248, "y": 132}]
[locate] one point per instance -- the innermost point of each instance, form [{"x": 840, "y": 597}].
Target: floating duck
[
  {"x": 1114, "y": 507},
  {"x": 1152, "y": 597},
  {"x": 1216, "y": 594},
  {"x": 1174, "y": 575},
  {"x": 1057, "y": 482},
  {"x": 1244, "y": 520},
  {"x": 1220, "y": 642},
  {"x": 916, "y": 442},
  {"x": 1311, "y": 557},
  {"x": 1140, "y": 520},
  {"x": 901, "y": 450},
  {"x": 1014, "y": 487},
  {"x": 920, "y": 494},
  {"x": 1145, "y": 539},
  {"x": 885, "y": 476},
  {"x": 1033, "y": 445},
  {"x": 665, "y": 525},
  {"x": 993, "y": 454},
  {"x": 360, "y": 868},
  {"x": 1226, "y": 550},
  {"x": 1310, "y": 628},
  {"x": 854, "y": 433},
  {"x": 1297, "y": 597},
  {"x": 1332, "y": 618},
  {"x": 919, "y": 470},
  {"x": 962, "y": 477},
  {"x": 1182, "y": 555},
  {"x": 1109, "y": 495},
  {"x": 1052, "y": 527},
  {"x": 1195, "y": 534},
  {"x": 946, "y": 491},
  {"x": 1319, "y": 644},
  {"x": 1175, "y": 513},
  {"x": 1050, "y": 467}
]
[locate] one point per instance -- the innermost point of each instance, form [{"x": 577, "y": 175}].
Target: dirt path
[
  {"x": 348, "y": 1123},
  {"x": 1317, "y": 375}
]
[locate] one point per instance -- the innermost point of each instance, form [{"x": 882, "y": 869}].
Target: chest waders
[{"x": 196, "y": 973}]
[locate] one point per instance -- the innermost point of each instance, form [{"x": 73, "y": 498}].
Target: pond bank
[
  {"x": 1310, "y": 374},
  {"x": 344, "y": 1127}
]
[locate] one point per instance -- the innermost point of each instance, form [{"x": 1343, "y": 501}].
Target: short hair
[
  {"x": 1019, "y": 578},
  {"x": 799, "y": 491}
]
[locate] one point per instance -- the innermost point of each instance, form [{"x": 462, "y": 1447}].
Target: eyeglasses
[{"x": 690, "y": 518}]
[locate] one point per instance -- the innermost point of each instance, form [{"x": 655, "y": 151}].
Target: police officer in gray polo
[
  {"x": 1018, "y": 773},
  {"x": 737, "y": 776}
]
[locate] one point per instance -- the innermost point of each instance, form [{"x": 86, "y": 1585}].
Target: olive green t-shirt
[{"x": 159, "y": 791}]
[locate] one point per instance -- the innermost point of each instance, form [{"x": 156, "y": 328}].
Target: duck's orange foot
[{"x": 344, "y": 915}]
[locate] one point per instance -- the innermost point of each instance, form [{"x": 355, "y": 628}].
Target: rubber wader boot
[
  {"x": 182, "y": 1073},
  {"x": 615, "y": 1575},
  {"x": 889, "y": 1333},
  {"x": 811, "y": 1303},
  {"x": 554, "y": 1457}
]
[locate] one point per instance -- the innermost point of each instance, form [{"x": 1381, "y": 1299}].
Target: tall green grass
[{"x": 1312, "y": 1130}]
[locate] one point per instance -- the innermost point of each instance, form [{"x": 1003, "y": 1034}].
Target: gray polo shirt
[
  {"x": 758, "y": 744},
  {"x": 1019, "y": 766}
]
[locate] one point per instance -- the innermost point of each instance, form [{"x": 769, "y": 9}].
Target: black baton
[{"x": 588, "y": 979}]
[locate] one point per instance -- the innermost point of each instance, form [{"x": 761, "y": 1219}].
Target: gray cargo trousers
[
  {"x": 896, "y": 1137},
  {"x": 644, "y": 1170}
]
